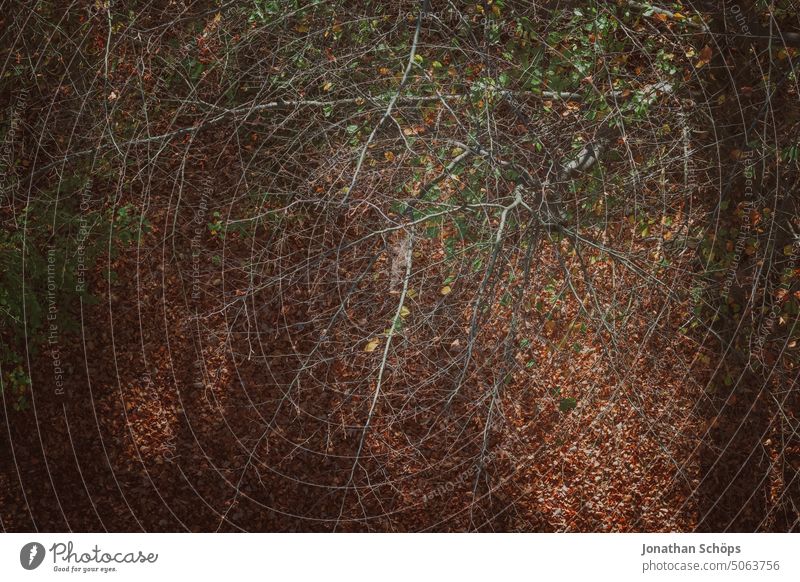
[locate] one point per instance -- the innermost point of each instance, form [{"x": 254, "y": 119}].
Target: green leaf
[{"x": 567, "y": 404}]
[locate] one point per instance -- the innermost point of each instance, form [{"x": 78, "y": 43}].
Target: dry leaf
[{"x": 705, "y": 57}]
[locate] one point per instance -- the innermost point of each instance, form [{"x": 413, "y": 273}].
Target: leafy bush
[{"x": 46, "y": 253}]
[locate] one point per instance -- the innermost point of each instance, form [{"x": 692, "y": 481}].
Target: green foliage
[
  {"x": 46, "y": 254},
  {"x": 266, "y": 11},
  {"x": 791, "y": 153},
  {"x": 14, "y": 387},
  {"x": 215, "y": 226},
  {"x": 567, "y": 404},
  {"x": 128, "y": 226},
  {"x": 218, "y": 227}
]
